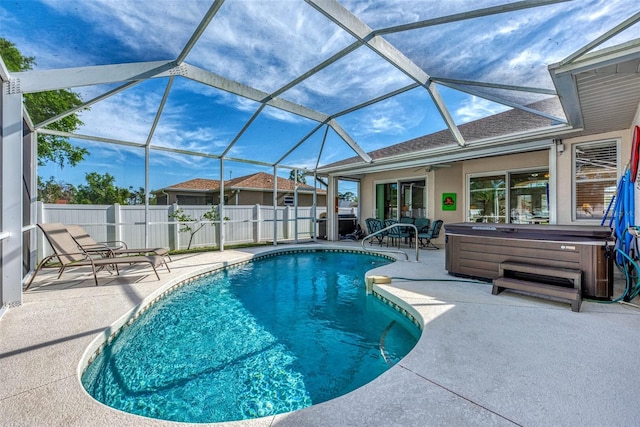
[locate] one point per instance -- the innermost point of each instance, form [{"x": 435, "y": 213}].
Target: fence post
[
  {"x": 257, "y": 225},
  {"x": 174, "y": 235},
  {"x": 285, "y": 222},
  {"x": 117, "y": 220},
  {"x": 290, "y": 224}
]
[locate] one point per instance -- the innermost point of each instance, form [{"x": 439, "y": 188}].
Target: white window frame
[
  {"x": 574, "y": 147},
  {"x": 397, "y": 181},
  {"x": 507, "y": 175}
]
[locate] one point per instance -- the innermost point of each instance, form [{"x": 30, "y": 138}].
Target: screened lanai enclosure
[{"x": 177, "y": 90}]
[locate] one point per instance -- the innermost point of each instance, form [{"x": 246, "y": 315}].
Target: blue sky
[{"x": 266, "y": 44}]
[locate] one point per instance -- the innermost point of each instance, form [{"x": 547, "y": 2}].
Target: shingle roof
[
  {"x": 257, "y": 181},
  {"x": 508, "y": 122},
  {"x": 264, "y": 181},
  {"x": 201, "y": 184}
]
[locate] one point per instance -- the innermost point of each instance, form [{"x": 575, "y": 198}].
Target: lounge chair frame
[
  {"x": 68, "y": 253},
  {"x": 110, "y": 248}
]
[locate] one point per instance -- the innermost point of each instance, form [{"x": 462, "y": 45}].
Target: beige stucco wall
[
  {"x": 450, "y": 179},
  {"x": 447, "y": 180},
  {"x": 453, "y": 179}
]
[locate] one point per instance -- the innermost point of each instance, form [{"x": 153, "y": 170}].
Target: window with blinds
[{"x": 595, "y": 178}]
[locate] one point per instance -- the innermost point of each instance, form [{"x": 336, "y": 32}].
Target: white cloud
[
  {"x": 476, "y": 108},
  {"x": 525, "y": 59},
  {"x": 139, "y": 25},
  {"x": 129, "y": 115},
  {"x": 125, "y": 117},
  {"x": 267, "y": 44}
]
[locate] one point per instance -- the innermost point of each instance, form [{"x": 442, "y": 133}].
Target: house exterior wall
[
  {"x": 453, "y": 179},
  {"x": 304, "y": 199},
  {"x": 447, "y": 180}
]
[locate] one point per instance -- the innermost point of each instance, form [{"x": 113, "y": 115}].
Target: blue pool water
[{"x": 277, "y": 334}]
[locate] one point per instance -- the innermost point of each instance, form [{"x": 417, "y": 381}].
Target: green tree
[
  {"x": 44, "y": 105},
  {"x": 190, "y": 225},
  {"x": 136, "y": 197},
  {"x": 101, "y": 190},
  {"x": 53, "y": 191},
  {"x": 299, "y": 176},
  {"x": 348, "y": 196}
]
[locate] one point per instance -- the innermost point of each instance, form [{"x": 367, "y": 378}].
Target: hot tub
[{"x": 477, "y": 249}]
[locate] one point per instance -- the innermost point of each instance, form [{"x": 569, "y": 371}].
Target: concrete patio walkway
[{"x": 482, "y": 360}]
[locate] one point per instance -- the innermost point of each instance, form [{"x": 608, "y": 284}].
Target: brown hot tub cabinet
[{"x": 478, "y": 249}]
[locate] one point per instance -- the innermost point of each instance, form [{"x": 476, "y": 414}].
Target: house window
[
  {"x": 595, "y": 178},
  {"x": 487, "y": 200},
  {"x": 409, "y": 201},
  {"x": 526, "y": 197}
]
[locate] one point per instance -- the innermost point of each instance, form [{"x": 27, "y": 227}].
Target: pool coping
[{"x": 101, "y": 341}]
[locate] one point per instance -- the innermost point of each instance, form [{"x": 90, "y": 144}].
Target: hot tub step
[{"x": 571, "y": 294}]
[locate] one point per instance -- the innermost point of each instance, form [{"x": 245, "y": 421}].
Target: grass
[{"x": 216, "y": 248}]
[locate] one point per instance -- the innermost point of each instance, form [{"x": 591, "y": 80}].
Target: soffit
[{"x": 610, "y": 95}]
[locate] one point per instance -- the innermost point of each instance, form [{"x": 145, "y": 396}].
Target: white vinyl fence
[{"x": 245, "y": 224}]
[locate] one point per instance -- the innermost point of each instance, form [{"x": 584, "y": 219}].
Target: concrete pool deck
[{"x": 482, "y": 360}]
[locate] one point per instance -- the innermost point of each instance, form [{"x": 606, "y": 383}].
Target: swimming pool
[{"x": 274, "y": 335}]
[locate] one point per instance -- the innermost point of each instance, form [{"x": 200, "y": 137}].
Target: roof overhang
[{"x": 600, "y": 90}]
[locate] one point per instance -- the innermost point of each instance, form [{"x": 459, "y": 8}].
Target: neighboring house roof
[
  {"x": 264, "y": 181},
  {"x": 197, "y": 184},
  {"x": 258, "y": 181}
]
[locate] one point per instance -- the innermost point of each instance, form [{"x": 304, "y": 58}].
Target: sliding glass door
[
  {"x": 412, "y": 199},
  {"x": 386, "y": 201},
  {"x": 409, "y": 201}
]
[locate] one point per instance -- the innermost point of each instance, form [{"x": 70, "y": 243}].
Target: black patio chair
[
  {"x": 373, "y": 225},
  {"x": 425, "y": 239},
  {"x": 396, "y": 233}
]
